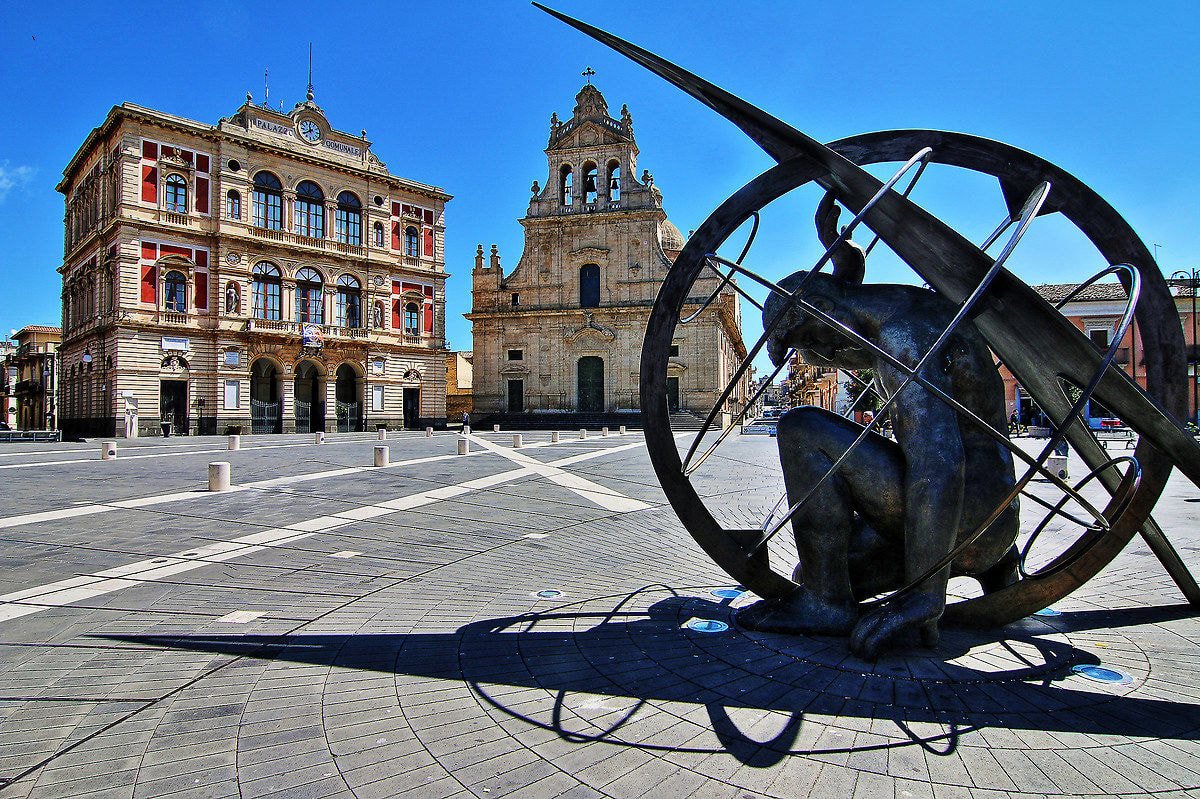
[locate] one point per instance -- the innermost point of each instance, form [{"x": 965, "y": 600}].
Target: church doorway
[
  {"x": 346, "y": 393},
  {"x": 309, "y": 399},
  {"x": 673, "y": 394},
  {"x": 591, "y": 384}
]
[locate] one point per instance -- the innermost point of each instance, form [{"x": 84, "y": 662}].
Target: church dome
[{"x": 670, "y": 236}]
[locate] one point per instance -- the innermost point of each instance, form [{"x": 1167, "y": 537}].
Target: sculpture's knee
[{"x": 804, "y": 424}]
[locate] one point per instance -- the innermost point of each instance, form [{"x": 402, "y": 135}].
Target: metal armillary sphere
[{"x": 1032, "y": 338}]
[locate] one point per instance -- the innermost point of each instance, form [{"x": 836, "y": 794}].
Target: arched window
[
  {"x": 411, "y": 243},
  {"x": 266, "y": 287},
  {"x": 176, "y": 194},
  {"x": 175, "y": 292},
  {"x": 590, "y": 176},
  {"x": 412, "y": 319},
  {"x": 349, "y": 302},
  {"x": 378, "y": 234},
  {"x": 566, "y": 180},
  {"x": 613, "y": 181},
  {"x": 267, "y": 201},
  {"x": 589, "y": 286},
  {"x": 349, "y": 219},
  {"x": 310, "y": 210},
  {"x": 308, "y": 296},
  {"x": 233, "y": 205}
]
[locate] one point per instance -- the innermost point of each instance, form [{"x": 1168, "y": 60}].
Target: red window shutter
[
  {"x": 171, "y": 249},
  {"x": 186, "y": 155},
  {"x": 150, "y": 184},
  {"x": 202, "y": 290},
  {"x": 201, "y": 259},
  {"x": 395, "y": 235},
  {"x": 168, "y": 152},
  {"x": 201, "y": 163},
  {"x": 202, "y": 195},
  {"x": 429, "y": 317},
  {"x": 428, "y": 217},
  {"x": 429, "y": 292},
  {"x": 149, "y": 252},
  {"x": 395, "y": 314},
  {"x": 395, "y": 209},
  {"x": 149, "y": 149},
  {"x": 429, "y": 242},
  {"x": 149, "y": 282}
]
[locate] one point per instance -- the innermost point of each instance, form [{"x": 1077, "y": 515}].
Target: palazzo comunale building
[
  {"x": 560, "y": 337},
  {"x": 267, "y": 273}
]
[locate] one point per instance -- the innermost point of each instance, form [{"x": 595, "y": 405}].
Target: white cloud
[{"x": 14, "y": 177}]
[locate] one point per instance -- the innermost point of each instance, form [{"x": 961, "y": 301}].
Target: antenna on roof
[
  {"x": 266, "y": 87},
  {"x": 310, "y": 86}
]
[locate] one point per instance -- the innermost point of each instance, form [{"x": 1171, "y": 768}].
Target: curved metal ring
[{"x": 1009, "y": 315}]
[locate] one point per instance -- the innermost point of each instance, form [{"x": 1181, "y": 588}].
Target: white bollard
[
  {"x": 466, "y": 430},
  {"x": 516, "y": 440},
  {"x": 604, "y": 431},
  {"x": 622, "y": 429},
  {"x": 582, "y": 435},
  {"x": 383, "y": 434},
  {"x": 235, "y": 442},
  {"x": 464, "y": 445},
  {"x": 218, "y": 476},
  {"x": 495, "y": 428},
  {"x": 429, "y": 432},
  {"x": 554, "y": 437},
  {"x": 108, "y": 450},
  {"x": 319, "y": 437},
  {"x": 382, "y": 455}
]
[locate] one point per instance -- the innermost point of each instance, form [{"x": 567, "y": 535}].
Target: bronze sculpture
[
  {"x": 894, "y": 508},
  {"x": 1044, "y": 352}
]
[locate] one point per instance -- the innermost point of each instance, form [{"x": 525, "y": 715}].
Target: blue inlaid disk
[
  {"x": 1103, "y": 674},
  {"x": 707, "y": 626}
]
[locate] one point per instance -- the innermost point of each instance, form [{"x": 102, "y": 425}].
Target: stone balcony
[
  {"x": 296, "y": 240},
  {"x": 290, "y": 329}
]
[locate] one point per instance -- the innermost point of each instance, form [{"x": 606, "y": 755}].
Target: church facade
[{"x": 559, "y": 338}]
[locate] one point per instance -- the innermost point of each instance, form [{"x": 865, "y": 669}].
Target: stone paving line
[
  {"x": 82, "y": 588},
  {"x": 463, "y": 677}
]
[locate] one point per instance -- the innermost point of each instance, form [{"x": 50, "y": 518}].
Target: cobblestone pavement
[{"x": 516, "y": 623}]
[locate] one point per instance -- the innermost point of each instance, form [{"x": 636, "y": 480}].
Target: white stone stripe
[
  {"x": 605, "y": 497},
  {"x": 78, "y": 589}
]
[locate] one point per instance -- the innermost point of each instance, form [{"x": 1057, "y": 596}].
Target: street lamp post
[{"x": 1191, "y": 278}]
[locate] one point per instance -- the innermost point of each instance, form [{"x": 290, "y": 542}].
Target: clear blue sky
[{"x": 460, "y": 94}]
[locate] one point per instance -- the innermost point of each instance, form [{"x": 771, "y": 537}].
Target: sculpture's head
[{"x": 818, "y": 342}]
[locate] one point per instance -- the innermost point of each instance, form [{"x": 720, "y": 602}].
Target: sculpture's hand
[{"x": 897, "y": 623}]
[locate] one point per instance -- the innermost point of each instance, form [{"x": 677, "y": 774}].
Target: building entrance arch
[
  {"x": 591, "y": 384},
  {"x": 347, "y": 392},
  {"x": 309, "y": 394},
  {"x": 266, "y": 409}
]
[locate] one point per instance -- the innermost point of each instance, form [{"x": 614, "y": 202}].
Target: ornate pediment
[
  {"x": 591, "y": 251},
  {"x": 593, "y": 333}
]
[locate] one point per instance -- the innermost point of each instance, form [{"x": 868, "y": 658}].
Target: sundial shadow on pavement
[{"x": 609, "y": 668}]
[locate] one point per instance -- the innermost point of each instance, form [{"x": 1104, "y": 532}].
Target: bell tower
[{"x": 591, "y": 160}]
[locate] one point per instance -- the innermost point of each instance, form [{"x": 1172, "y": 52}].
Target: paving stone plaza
[{"x": 521, "y": 622}]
